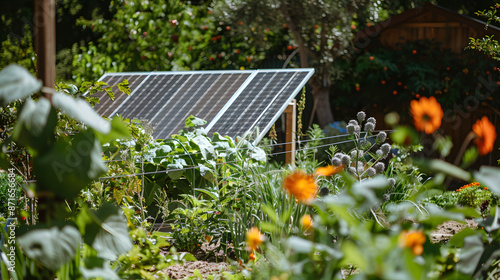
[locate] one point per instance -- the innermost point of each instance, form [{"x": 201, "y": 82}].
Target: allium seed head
[
  {"x": 336, "y": 161},
  {"x": 381, "y": 136},
  {"x": 352, "y": 170},
  {"x": 353, "y": 122},
  {"x": 350, "y": 129},
  {"x": 357, "y": 129},
  {"x": 371, "y": 120},
  {"x": 361, "y": 116},
  {"x": 379, "y": 167},
  {"x": 371, "y": 172},
  {"x": 369, "y": 127},
  {"x": 386, "y": 148},
  {"x": 346, "y": 160},
  {"x": 392, "y": 182}
]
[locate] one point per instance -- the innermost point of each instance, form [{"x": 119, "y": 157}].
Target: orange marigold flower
[
  {"x": 306, "y": 221},
  {"x": 251, "y": 257},
  {"x": 473, "y": 184},
  {"x": 301, "y": 185},
  {"x": 427, "y": 114},
  {"x": 254, "y": 239},
  {"x": 486, "y": 135},
  {"x": 328, "y": 170},
  {"x": 414, "y": 240}
]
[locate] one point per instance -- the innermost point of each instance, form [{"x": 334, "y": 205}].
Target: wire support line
[
  {"x": 222, "y": 163},
  {"x": 264, "y": 146}
]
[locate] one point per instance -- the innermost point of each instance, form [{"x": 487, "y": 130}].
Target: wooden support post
[
  {"x": 45, "y": 41},
  {"x": 291, "y": 130}
]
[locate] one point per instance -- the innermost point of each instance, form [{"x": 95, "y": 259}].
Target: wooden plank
[
  {"x": 45, "y": 41},
  {"x": 291, "y": 128}
]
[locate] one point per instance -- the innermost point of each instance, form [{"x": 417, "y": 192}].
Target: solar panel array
[{"x": 232, "y": 102}]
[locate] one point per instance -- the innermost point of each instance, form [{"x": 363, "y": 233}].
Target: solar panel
[{"x": 232, "y": 102}]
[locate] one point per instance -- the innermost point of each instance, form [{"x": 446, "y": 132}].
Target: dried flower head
[
  {"x": 346, "y": 160},
  {"x": 379, "y": 167},
  {"x": 427, "y": 114},
  {"x": 392, "y": 182},
  {"x": 361, "y": 116},
  {"x": 381, "y": 136},
  {"x": 369, "y": 127},
  {"x": 386, "y": 148},
  {"x": 414, "y": 240},
  {"x": 486, "y": 135},
  {"x": 350, "y": 128},
  {"x": 336, "y": 161},
  {"x": 357, "y": 129},
  {"x": 353, "y": 122},
  {"x": 352, "y": 170},
  {"x": 371, "y": 120},
  {"x": 371, "y": 172},
  {"x": 254, "y": 238},
  {"x": 301, "y": 185},
  {"x": 355, "y": 154}
]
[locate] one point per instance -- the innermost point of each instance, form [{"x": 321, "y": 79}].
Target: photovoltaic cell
[{"x": 232, "y": 102}]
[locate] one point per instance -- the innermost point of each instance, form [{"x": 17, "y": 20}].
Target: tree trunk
[{"x": 321, "y": 96}]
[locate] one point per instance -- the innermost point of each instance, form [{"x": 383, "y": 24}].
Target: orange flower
[
  {"x": 328, "y": 170},
  {"x": 427, "y": 114},
  {"x": 486, "y": 135},
  {"x": 473, "y": 184},
  {"x": 412, "y": 239},
  {"x": 254, "y": 239},
  {"x": 306, "y": 222},
  {"x": 251, "y": 257},
  {"x": 301, "y": 185}
]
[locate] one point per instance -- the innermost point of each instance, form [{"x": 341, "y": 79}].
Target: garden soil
[{"x": 442, "y": 234}]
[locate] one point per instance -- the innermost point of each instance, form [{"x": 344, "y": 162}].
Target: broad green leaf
[
  {"x": 353, "y": 255},
  {"x": 193, "y": 121},
  {"x": 204, "y": 145},
  {"x": 490, "y": 177},
  {"x": 106, "y": 231},
  {"x": 52, "y": 247},
  {"x": 16, "y": 83},
  {"x": 67, "y": 168},
  {"x": 96, "y": 267},
  {"x": 436, "y": 165},
  {"x": 470, "y": 254},
  {"x": 458, "y": 238},
  {"x": 36, "y": 124},
  {"x": 81, "y": 111},
  {"x": 118, "y": 131}
]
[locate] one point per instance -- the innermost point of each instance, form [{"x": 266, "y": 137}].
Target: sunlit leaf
[
  {"x": 52, "y": 247},
  {"x": 106, "y": 231},
  {"x": 16, "y": 83},
  {"x": 81, "y": 111},
  {"x": 35, "y": 125},
  {"x": 67, "y": 168}
]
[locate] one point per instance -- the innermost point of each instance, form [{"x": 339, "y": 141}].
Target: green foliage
[
  {"x": 415, "y": 69},
  {"x": 160, "y": 35}
]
